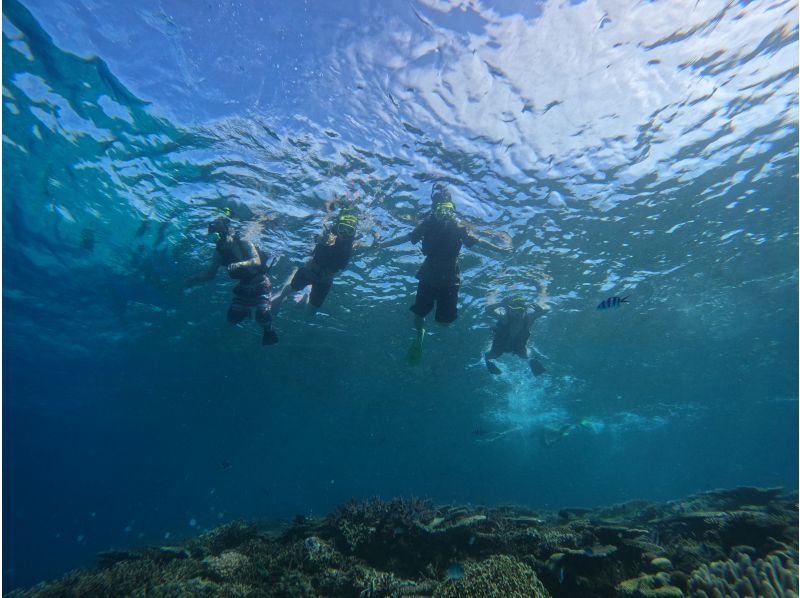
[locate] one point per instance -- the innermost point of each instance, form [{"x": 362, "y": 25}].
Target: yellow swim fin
[{"x": 414, "y": 355}]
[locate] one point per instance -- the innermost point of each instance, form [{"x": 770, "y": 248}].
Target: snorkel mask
[
  {"x": 444, "y": 210},
  {"x": 346, "y": 223},
  {"x": 517, "y": 304},
  {"x": 442, "y": 203},
  {"x": 218, "y": 229},
  {"x": 439, "y": 193}
]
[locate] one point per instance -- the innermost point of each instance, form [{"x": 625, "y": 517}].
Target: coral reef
[
  {"x": 499, "y": 575},
  {"x": 773, "y": 576},
  {"x": 649, "y": 586},
  {"x": 740, "y": 542}
]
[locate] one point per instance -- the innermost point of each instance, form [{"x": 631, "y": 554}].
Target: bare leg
[
  {"x": 311, "y": 309},
  {"x": 415, "y": 350},
  {"x": 419, "y": 325},
  {"x": 490, "y": 365},
  {"x": 287, "y": 287}
]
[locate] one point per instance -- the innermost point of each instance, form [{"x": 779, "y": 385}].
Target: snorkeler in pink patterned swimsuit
[{"x": 247, "y": 264}]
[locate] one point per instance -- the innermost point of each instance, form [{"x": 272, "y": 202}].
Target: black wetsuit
[
  {"x": 319, "y": 271},
  {"x": 507, "y": 340},
  {"x": 511, "y": 335},
  {"x": 440, "y": 277}
]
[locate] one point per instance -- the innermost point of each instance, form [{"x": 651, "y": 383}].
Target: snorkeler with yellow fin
[{"x": 442, "y": 235}]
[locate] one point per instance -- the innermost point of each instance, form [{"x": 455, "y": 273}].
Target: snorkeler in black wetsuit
[
  {"x": 511, "y": 332},
  {"x": 247, "y": 264},
  {"x": 331, "y": 255},
  {"x": 442, "y": 236}
]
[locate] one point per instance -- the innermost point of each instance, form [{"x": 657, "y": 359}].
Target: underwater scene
[{"x": 403, "y": 298}]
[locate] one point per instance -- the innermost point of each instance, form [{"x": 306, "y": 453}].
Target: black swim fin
[
  {"x": 493, "y": 369},
  {"x": 270, "y": 337},
  {"x": 536, "y": 367}
]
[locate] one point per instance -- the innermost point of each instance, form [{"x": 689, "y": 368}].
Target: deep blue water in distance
[{"x": 620, "y": 148}]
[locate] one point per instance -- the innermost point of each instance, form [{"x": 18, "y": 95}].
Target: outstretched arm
[
  {"x": 361, "y": 246},
  {"x": 538, "y": 311},
  {"x": 394, "y": 242},
  {"x": 209, "y": 274},
  {"x": 494, "y": 310},
  {"x": 489, "y": 245}
]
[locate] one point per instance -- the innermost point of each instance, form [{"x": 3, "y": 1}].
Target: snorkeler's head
[
  {"x": 346, "y": 222},
  {"x": 516, "y": 303},
  {"x": 441, "y": 202},
  {"x": 440, "y": 194},
  {"x": 220, "y": 226}
]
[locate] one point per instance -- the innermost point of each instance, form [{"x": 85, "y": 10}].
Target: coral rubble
[{"x": 740, "y": 542}]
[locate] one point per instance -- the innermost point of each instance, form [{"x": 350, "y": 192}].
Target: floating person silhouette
[
  {"x": 332, "y": 252},
  {"x": 442, "y": 235},
  {"x": 246, "y": 264},
  {"x": 551, "y": 436},
  {"x": 512, "y": 330},
  {"x": 88, "y": 239}
]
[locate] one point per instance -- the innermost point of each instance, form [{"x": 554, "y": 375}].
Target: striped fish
[{"x": 615, "y": 301}]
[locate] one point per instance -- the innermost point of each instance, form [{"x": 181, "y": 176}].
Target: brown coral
[
  {"x": 499, "y": 575},
  {"x": 229, "y": 566}
]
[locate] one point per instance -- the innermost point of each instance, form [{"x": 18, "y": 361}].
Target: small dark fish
[
  {"x": 224, "y": 465},
  {"x": 143, "y": 227},
  {"x": 615, "y": 301},
  {"x": 87, "y": 239},
  {"x": 161, "y": 234}
]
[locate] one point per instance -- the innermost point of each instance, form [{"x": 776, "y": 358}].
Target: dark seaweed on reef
[{"x": 725, "y": 542}]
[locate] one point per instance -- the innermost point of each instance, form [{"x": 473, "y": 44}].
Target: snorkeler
[
  {"x": 552, "y": 435},
  {"x": 512, "y": 330},
  {"x": 442, "y": 236},
  {"x": 331, "y": 254},
  {"x": 247, "y": 264}
]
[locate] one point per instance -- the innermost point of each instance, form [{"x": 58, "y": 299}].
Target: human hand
[{"x": 232, "y": 268}]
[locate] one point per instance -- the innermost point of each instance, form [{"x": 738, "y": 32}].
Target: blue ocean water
[{"x": 641, "y": 149}]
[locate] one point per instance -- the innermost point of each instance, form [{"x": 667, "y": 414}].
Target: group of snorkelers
[{"x": 442, "y": 235}]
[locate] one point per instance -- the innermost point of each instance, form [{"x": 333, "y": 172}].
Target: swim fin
[
  {"x": 270, "y": 337},
  {"x": 536, "y": 367},
  {"x": 414, "y": 355}
]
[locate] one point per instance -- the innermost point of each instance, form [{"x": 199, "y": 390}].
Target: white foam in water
[{"x": 528, "y": 402}]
